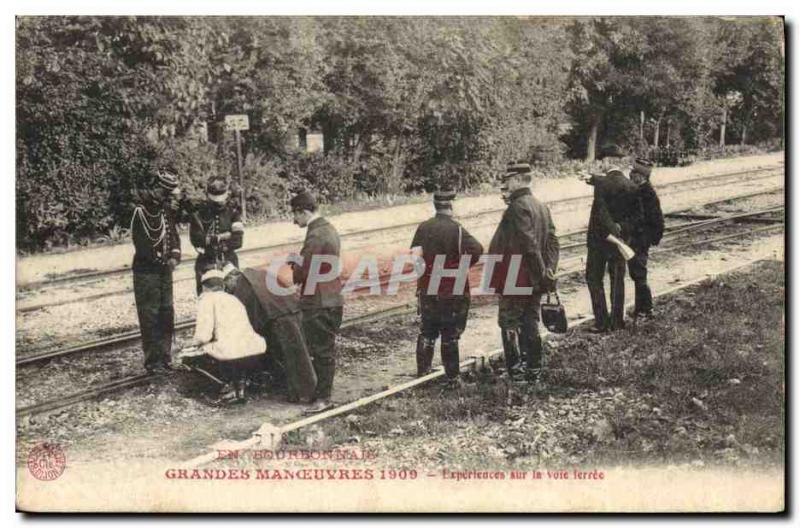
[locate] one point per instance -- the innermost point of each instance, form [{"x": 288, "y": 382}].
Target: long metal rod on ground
[
  {"x": 256, "y": 439},
  {"x": 186, "y": 262}
]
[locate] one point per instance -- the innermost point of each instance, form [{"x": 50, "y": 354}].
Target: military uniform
[
  {"x": 526, "y": 229},
  {"x": 278, "y": 319},
  {"x": 215, "y": 230},
  {"x": 615, "y": 210},
  {"x": 443, "y": 312},
  {"x": 322, "y": 309},
  {"x": 648, "y": 232},
  {"x": 158, "y": 250}
]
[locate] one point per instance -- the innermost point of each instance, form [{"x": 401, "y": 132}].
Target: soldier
[
  {"x": 443, "y": 311},
  {"x": 646, "y": 233},
  {"x": 158, "y": 251},
  {"x": 278, "y": 319},
  {"x": 216, "y": 229},
  {"x": 526, "y": 232},
  {"x": 615, "y": 211},
  {"x": 320, "y": 300}
]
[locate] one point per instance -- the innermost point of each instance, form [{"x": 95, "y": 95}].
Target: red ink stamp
[{"x": 47, "y": 461}]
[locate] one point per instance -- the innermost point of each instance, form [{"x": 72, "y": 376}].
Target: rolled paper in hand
[{"x": 624, "y": 249}]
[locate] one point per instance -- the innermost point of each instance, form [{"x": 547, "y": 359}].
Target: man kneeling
[{"x": 223, "y": 331}]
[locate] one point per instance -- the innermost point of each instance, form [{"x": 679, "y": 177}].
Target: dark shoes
[
  {"x": 159, "y": 369},
  {"x": 318, "y": 407},
  {"x": 230, "y": 395},
  {"x": 533, "y": 375}
]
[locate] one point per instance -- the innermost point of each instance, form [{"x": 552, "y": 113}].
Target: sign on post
[{"x": 237, "y": 122}]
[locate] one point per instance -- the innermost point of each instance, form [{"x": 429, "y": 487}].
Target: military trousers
[
  {"x": 518, "y": 317},
  {"x": 637, "y": 268},
  {"x": 320, "y": 326},
  {"x": 598, "y": 260},
  {"x": 445, "y": 317},
  {"x": 153, "y": 294}
]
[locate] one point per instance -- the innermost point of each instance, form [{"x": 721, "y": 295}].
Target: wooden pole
[{"x": 239, "y": 171}]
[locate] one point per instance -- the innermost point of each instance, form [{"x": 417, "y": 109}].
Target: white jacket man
[{"x": 223, "y": 329}]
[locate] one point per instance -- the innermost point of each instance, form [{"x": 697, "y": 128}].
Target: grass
[{"x": 702, "y": 385}]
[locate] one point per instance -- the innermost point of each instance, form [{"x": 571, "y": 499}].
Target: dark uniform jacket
[
  {"x": 616, "y": 201},
  {"x": 651, "y": 228},
  {"x": 153, "y": 250},
  {"x": 442, "y": 235},
  {"x": 526, "y": 229},
  {"x": 321, "y": 239},
  {"x": 210, "y": 218},
  {"x": 261, "y": 304}
]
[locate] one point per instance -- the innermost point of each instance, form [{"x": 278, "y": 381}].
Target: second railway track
[
  {"x": 94, "y": 277},
  {"x": 680, "y": 231}
]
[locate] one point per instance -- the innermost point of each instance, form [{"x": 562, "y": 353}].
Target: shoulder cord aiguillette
[{"x": 160, "y": 230}]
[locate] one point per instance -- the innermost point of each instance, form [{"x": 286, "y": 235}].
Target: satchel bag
[{"x": 554, "y": 317}]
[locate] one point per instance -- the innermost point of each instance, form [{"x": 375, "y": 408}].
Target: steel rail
[
  {"x": 133, "y": 335},
  {"x": 101, "y": 295},
  {"x": 185, "y": 263},
  {"x": 393, "y": 311}
]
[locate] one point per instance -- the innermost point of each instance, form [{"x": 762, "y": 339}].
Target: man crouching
[{"x": 223, "y": 331}]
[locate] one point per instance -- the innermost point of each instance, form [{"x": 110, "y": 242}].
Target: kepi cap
[
  {"x": 166, "y": 180},
  {"x": 444, "y": 196},
  {"x": 217, "y": 190},
  {"x": 515, "y": 168}
]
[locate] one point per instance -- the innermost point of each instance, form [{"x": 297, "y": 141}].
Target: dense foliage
[{"x": 405, "y": 104}]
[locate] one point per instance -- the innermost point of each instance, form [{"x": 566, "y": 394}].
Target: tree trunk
[
  {"x": 394, "y": 184},
  {"x": 591, "y": 140},
  {"x": 357, "y": 149},
  {"x": 744, "y": 134},
  {"x": 669, "y": 129},
  {"x": 722, "y": 129},
  {"x": 641, "y": 127},
  {"x": 656, "y": 132}
]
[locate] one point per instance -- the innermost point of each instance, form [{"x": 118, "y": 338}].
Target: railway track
[
  {"x": 96, "y": 276},
  {"x": 684, "y": 229},
  {"x": 130, "y": 337},
  {"x": 127, "y": 290}
]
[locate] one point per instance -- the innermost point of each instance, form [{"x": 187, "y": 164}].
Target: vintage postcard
[{"x": 400, "y": 264}]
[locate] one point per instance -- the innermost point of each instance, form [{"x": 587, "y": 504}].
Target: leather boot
[
  {"x": 534, "y": 367},
  {"x": 425, "y": 348},
  {"x": 511, "y": 350},
  {"x": 450, "y": 359}
]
